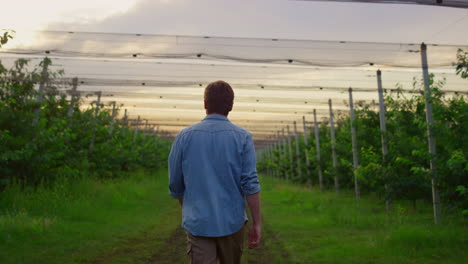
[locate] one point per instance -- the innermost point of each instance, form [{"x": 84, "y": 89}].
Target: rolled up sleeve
[
  {"x": 249, "y": 179},
  {"x": 176, "y": 177}
]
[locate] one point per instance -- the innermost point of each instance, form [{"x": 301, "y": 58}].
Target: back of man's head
[{"x": 219, "y": 98}]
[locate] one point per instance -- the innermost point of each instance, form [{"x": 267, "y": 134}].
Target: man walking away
[{"x": 212, "y": 171}]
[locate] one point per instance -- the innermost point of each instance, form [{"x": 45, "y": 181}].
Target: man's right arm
[{"x": 176, "y": 177}]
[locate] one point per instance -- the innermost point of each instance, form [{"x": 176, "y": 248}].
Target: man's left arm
[
  {"x": 249, "y": 178},
  {"x": 251, "y": 188},
  {"x": 176, "y": 177}
]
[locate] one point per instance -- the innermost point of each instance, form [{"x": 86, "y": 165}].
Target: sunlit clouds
[{"x": 36, "y": 15}]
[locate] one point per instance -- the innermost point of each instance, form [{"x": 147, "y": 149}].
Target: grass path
[
  {"x": 303, "y": 225},
  {"x": 147, "y": 248},
  {"x": 151, "y": 245},
  {"x": 134, "y": 221}
]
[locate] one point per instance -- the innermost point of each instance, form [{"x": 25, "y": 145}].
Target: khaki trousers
[{"x": 207, "y": 250}]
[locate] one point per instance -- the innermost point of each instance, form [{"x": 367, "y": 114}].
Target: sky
[
  {"x": 255, "y": 108},
  {"x": 245, "y": 18}
]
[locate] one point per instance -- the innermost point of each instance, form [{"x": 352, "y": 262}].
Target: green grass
[
  {"x": 82, "y": 219},
  {"x": 323, "y": 227},
  {"x": 129, "y": 220}
]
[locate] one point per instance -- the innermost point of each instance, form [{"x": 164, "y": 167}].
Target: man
[{"x": 212, "y": 171}]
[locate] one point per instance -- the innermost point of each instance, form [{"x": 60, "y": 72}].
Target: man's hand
[
  {"x": 255, "y": 235},
  {"x": 255, "y": 232},
  {"x": 181, "y": 201}
]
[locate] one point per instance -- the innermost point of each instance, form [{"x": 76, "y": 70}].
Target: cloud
[{"x": 281, "y": 19}]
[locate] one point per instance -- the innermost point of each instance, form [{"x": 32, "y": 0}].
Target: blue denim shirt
[{"x": 212, "y": 165}]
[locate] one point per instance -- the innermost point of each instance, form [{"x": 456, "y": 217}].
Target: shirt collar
[{"x": 216, "y": 117}]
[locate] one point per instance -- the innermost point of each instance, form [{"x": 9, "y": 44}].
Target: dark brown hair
[{"x": 219, "y": 98}]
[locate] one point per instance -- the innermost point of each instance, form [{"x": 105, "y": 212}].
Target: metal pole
[
  {"x": 298, "y": 156},
  {"x": 265, "y": 158},
  {"x": 354, "y": 142},
  {"x": 430, "y": 135},
  {"x": 306, "y": 135},
  {"x": 333, "y": 146},
  {"x": 96, "y": 112},
  {"x": 125, "y": 119},
  {"x": 383, "y": 136},
  {"x": 145, "y": 129},
  {"x": 42, "y": 83},
  {"x": 273, "y": 158},
  {"x": 270, "y": 157},
  {"x": 317, "y": 147},
  {"x": 306, "y": 154},
  {"x": 135, "y": 133},
  {"x": 290, "y": 153},
  {"x": 278, "y": 156},
  {"x": 72, "y": 100},
  {"x": 111, "y": 127},
  {"x": 285, "y": 154},
  {"x": 305, "y": 130},
  {"x": 275, "y": 171}
]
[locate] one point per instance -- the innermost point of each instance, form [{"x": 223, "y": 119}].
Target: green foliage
[
  {"x": 462, "y": 64},
  {"x": 405, "y": 171},
  {"x": 6, "y": 36},
  {"x": 41, "y": 142}
]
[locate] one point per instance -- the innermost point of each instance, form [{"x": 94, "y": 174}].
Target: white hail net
[{"x": 162, "y": 78}]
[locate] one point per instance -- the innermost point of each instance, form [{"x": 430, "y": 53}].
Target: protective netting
[
  {"x": 448, "y": 3},
  {"x": 162, "y": 78},
  {"x": 278, "y": 51}
]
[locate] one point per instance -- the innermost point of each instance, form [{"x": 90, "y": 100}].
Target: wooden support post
[
  {"x": 430, "y": 135},
  {"x": 354, "y": 142},
  {"x": 298, "y": 153},
  {"x": 96, "y": 113},
  {"x": 383, "y": 137},
  {"x": 333, "y": 146},
  {"x": 317, "y": 147}
]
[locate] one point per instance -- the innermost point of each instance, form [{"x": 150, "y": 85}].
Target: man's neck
[{"x": 216, "y": 114}]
